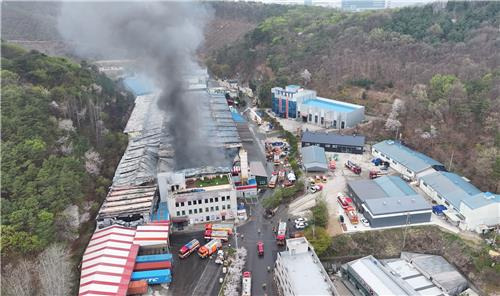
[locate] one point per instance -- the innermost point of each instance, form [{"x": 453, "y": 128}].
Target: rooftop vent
[
  {"x": 385, "y": 203},
  {"x": 399, "y": 201}
]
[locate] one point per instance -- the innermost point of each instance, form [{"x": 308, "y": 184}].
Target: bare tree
[
  {"x": 93, "y": 162},
  {"x": 18, "y": 280},
  {"x": 306, "y": 75},
  {"x": 54, "y": 271}
]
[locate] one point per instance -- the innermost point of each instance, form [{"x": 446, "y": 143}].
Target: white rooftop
[{"x": 305, "y": 272}]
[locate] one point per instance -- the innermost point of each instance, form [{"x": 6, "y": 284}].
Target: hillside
[
  {"x": 442, "y": 62},
  {"x": 61, "y": 141}
]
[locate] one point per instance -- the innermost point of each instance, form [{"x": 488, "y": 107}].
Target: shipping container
[
  {"x": 153, "y": 265},
  {"x": 153, "y": 277},
  {"x": 153, "y": 258},
  {"x": 137, "y": 287}
]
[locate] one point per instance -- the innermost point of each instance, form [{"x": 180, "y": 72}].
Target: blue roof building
[
  {"x": 479, "y": 210},
  {"x": 405, "y": 160},
  {"x": 389, "y": 201}
]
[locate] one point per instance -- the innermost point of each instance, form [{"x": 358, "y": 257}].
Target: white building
[
  {"x": 470, "y": 208},
  {"x": 405, "y": 160},
  {"x": 303, "y": 104},
  {"x": 298, "y": 271},
  {"x": 198, "y": 199}
]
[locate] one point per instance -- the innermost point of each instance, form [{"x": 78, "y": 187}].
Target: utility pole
[
  {"x": 406, "y": 229},
  {"x": 451, "y": 160}
]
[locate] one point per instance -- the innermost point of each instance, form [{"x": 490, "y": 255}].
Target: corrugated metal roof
[
  {"x": 482, "y": 199},
  {"x": 388, "y": 194},
  {"x": 108, "y": 262},
  {"x": 313, "y": 157},
  {"x": 333, "y": 138},
  {"x": 152, "y": 234},
  {"x": 451, "y": 187},
  {"x": 411, "y": 159},
  {"x": 257, "y": 169},
  {"x": 127, "y": 200}
]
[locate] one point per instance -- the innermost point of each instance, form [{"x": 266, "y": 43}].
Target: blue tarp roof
[
  {"x": 413, "y": 160},
  {"x": 237, "y": 117},
  {"x": 138, "y": 85},
  {"x": 451, "y": 187}
]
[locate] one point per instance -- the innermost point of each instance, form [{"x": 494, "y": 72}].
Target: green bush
[
  {"x": 320, "y": 213},
  {"x": 319, "y": 238}
]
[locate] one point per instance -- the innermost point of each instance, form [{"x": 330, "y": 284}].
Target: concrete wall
[
  {"x": 488, "y": 215},
  {"x": 213, "y": 210}
]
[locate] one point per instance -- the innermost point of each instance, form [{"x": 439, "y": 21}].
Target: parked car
[
  {"x": 300, "y": 225},
  {"x": 260, "y": 248},
  {"x": 365, "y": 222},
  {"x": 315, "y": 188}
]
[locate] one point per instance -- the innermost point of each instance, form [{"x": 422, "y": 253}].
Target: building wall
[
  {"x": 435, "y": 196},
  {"x": 281, "y": 278},
  {"x": 387, "y": 221},
  {"x": 398, "y": 220},
  {"x": 337, "y": 148},
  {"x": 212, "y": 205},
  {"x": 488, "y": 215},
  {"x": 394, "y": 164}
]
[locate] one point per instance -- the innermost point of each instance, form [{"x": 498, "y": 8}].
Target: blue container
[
  {"x": 153, "y": 258},
  {"x": 438, "y": 210},
  {"x": 159, "y": 276}
]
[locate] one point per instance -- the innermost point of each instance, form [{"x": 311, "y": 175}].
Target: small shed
[{"x": 314, "y": 159}]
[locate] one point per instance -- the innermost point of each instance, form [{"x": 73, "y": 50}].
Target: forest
[
  {"x": 431, "y": 73},
  {"x": 62, "y": 138}
]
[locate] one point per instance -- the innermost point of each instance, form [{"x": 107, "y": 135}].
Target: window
[
  {"x": 342, "y": 125},
  {"x": 190, "y": 212},
  {"x": 409, "y": 171},
  {"x": 223, "y": 198},
  {"x": 196, "y": 211},
  {"x": 206, "y": 200},
  {"x": 328, "y": 145},
  {"x": 189, "y": 203},
  {"x": 322, "y": 120},
  {"x": 183, "y": 213},
  {"x": 211, "y": 200},
  {"x": 182, "y": 204},
  {"x": 177, "y": 204},
  {"x": 228, "y": 207},
  {"x": 216, "y": 199},
  {"x": 228, "y": 197},
  {"x": 315, "y": 118},
  {"x": 212, "y": 209},
  {"x": 394, "y": 162},
  {"x": 206, "y": 209},
  {"x": 216, "y": 208},
  {"x": 310, "y": 117},
  {"x": 194, "y": 202},
  {"x": 447, "y": 203},
  {"x": 178, "y": 213},
  {"x": 223, "y": 207},
  {"x": 201, "y": 210}
]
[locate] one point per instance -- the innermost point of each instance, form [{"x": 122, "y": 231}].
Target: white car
[
  {"x": 300, "y": 225},
  {"x": 300, "y": 219},
  {"x": 365, "y": 222}
]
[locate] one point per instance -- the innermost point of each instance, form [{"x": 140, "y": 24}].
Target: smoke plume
[{"x": 163, "y": 37}]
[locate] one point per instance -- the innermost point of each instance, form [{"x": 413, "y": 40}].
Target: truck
[
  {"x": 216, "y": 234},
  {"x": 246, "y": 289},
  {"x": 375, "y": 174},
  {"x": 281, "y": 235},
  {"x": 353, "y": 167},
  {"x": 344, "y": 201},
  {"x": 210, "y": 248},
  {"x": 272, "y": 182},
  {"x": 189, "y": 248},
  {"x": 352, "y": 215},
  {"x": 228, "y": 227}
]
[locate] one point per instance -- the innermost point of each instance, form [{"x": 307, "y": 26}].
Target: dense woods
[
  {"x": 440, "y": 61},
  {"x": 61, "y": 141}
]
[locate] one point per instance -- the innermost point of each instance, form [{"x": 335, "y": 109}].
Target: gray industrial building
[
  {"x": 314, "y": 159},
  {"x": 333, "y": 142},
  {"x": 389, "y": 201},
  {"x": 411, "y": 274}
]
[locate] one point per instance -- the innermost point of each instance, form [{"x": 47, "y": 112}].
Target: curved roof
[{"x": 313, "y": 158}]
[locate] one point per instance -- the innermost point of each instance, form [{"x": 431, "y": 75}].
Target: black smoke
[{"x": 163, "y": 37}]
